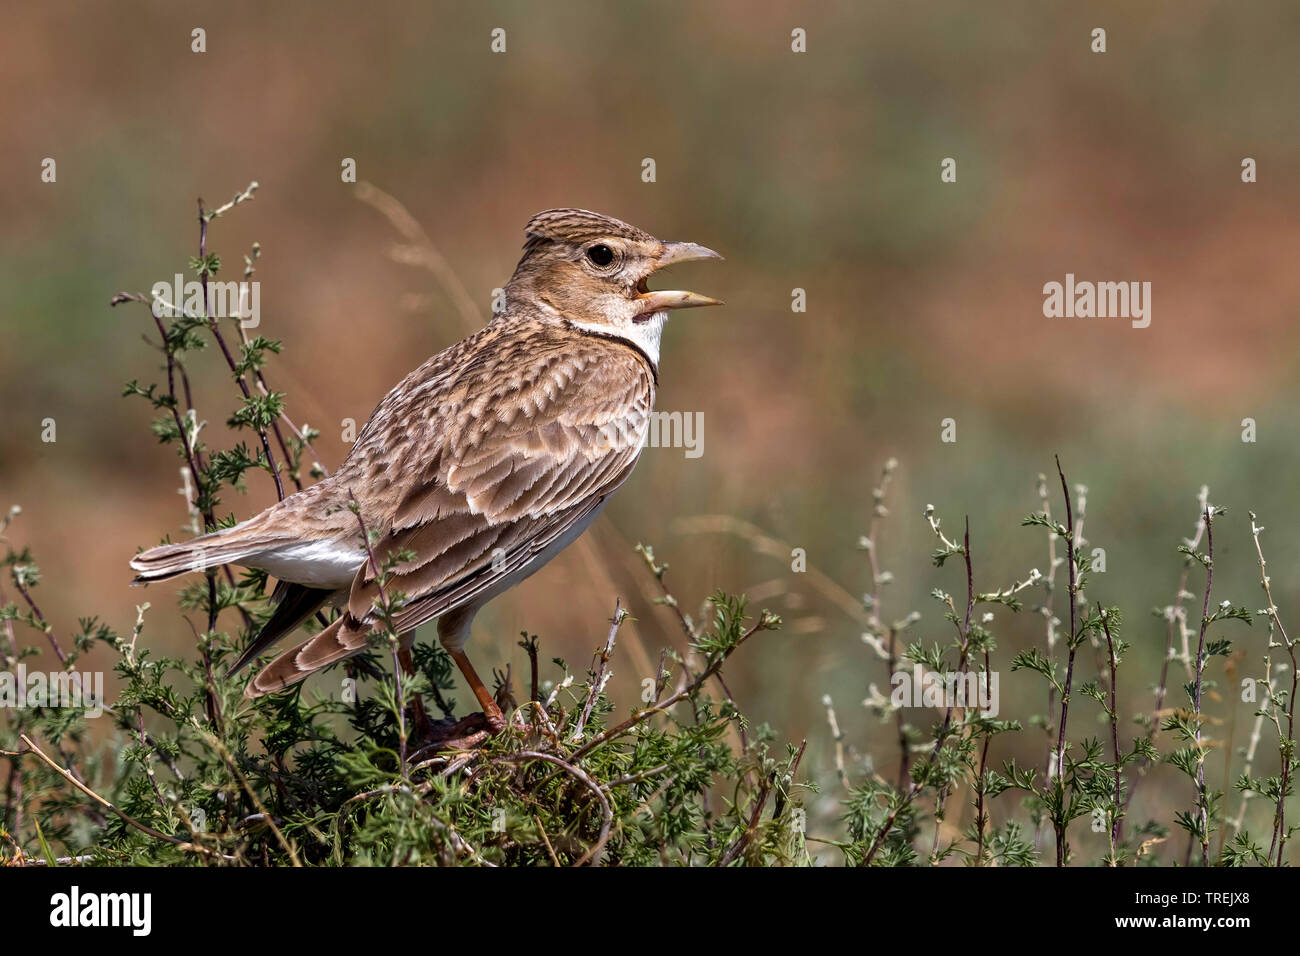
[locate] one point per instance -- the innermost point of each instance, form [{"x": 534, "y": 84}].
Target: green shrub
[{"x": 195, "y": 774}]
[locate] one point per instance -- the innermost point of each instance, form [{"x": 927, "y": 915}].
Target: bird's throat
[{"x": 643, "y": 336}]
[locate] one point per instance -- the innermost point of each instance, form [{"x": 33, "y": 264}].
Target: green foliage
[
  {"x": 339, "y": 771},
  {"x": 316, "y": 779},
  {"x": 195, "y": 773}
]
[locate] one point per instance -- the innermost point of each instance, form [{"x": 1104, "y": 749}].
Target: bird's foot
[
  {"x": 494, "y": 718},
  {"x": 452, "y": 734}
]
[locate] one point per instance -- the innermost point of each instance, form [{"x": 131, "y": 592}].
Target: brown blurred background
[{"x": 818, "y": 171}]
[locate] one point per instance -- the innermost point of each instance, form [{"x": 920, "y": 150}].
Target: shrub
[{"x": 195, "y": 774}]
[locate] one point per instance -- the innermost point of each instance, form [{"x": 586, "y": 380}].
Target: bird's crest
[{"x": 576, "y": 226}]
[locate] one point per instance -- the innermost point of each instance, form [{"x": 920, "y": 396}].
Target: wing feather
[{"x": 505, "y": 467}]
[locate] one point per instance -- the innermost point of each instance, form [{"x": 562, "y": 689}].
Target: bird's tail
[
  {"x": 344, "y": 638},
  {"x": 293, "y": 604},
  {"x": 228, "y": 546}
]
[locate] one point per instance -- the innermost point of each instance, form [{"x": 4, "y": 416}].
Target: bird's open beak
[{"x": 674, "y": 252}]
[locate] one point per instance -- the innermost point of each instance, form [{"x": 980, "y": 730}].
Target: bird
[{"x": 476, "y": 469}]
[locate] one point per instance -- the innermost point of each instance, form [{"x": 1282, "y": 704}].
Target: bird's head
[{"x": 594, "y": 271}]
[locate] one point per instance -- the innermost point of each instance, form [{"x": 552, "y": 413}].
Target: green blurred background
[{"x": 817, "y": 171}]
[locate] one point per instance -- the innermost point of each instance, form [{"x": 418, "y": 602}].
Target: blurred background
[{"x": 818, "y": 171}]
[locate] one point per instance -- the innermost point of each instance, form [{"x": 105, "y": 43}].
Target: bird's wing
[{"x": 514, "y": 466}]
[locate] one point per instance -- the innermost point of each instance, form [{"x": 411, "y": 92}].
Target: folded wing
[{"x": 500, "y": 478}]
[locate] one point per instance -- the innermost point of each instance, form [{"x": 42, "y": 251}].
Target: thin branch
[
  {"x": 601, "y": 674},
  {"x": 764, "y": 623},
  {"x": 215, "y": 327},
  {"x": 871, "y": 543},
  {"x": 981, "y": 815},
  {"x": 742, "y": 841},
  {"x": 126, "y": 818},
  {"x": 837, "y": 735},
  {"x": 1201, "y": 795},
  {"x": 1176, "y": 618},
  {"x": 16, "y": 572},
  {"x": 1117, "y": 825},
  {"x": 1059, "y": 823},
  {"x": 1285, "y": 747},
  {"x": 963, "y": 631},
  {"x": 420, "y": 250}
]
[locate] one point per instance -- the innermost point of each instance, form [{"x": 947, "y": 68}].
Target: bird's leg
[
  {"x": 453, "y": 632},
  {"x": 496, "y": 720},
  {"x": 422, "y": 726}
]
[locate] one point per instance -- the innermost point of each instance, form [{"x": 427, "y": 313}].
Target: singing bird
[{"x": 478, "y": 467}]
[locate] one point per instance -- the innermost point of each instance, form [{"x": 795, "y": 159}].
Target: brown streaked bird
[{"x": 484, "y": 463}]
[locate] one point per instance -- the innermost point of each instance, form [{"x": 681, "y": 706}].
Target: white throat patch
[{"x": 644, "y": 335}]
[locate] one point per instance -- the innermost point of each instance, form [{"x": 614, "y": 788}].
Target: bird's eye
[{"x": 601, "y": 254}]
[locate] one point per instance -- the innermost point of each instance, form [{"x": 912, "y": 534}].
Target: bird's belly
[{"x": 543, "y": 556}]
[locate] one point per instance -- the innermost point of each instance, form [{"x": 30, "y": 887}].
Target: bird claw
[
  {"x": 463, "y": 734},
  {"x": 496, "y": 721}
]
